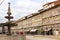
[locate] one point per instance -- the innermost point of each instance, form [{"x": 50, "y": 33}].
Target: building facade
[{"x": 46, "y": 20}]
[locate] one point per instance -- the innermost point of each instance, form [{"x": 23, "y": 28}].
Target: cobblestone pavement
[
  {"x": 12, "y": 37},
  {"x": 40, "y": 37}
]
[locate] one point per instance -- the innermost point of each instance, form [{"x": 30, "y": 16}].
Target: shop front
[{"x": 47, "y": 31}]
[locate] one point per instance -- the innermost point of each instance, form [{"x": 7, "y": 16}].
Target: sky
[{"x": 21, "y": 8}]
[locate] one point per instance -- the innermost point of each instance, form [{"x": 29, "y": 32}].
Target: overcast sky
[{"x": 20, "y": 8}]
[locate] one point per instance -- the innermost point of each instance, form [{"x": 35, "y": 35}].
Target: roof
[
  {"x": 48, "y": 3},
  {"x": 34, "y": 14},
  {"x": 57, "y": 2}
]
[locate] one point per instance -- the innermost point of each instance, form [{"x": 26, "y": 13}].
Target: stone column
[
  {"x": 9, "y": 30},
  {"x": 3, "y": 29}
]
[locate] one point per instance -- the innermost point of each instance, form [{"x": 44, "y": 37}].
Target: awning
[{"x": 33, "y": 30}]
